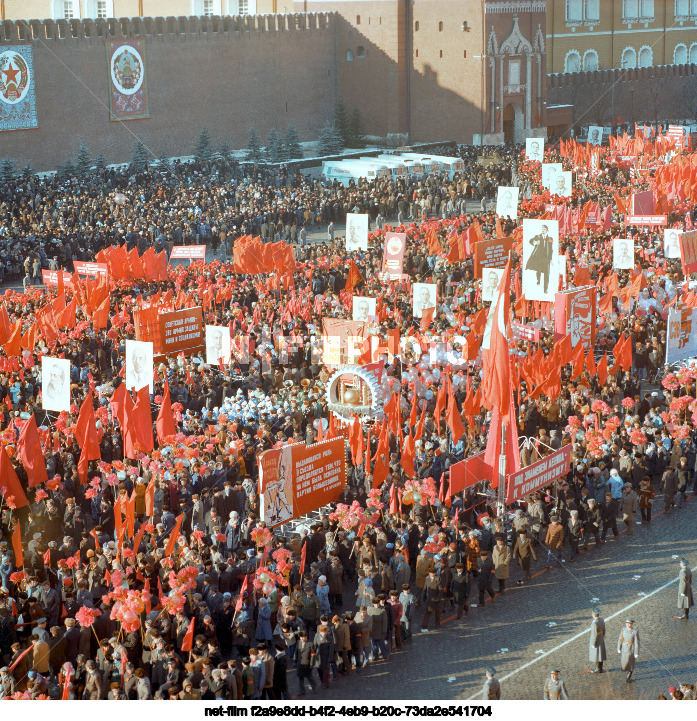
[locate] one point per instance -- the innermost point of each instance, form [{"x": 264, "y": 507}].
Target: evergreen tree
[
  {"x": 83, "y": 161},
  {"x": 341, "y": 122},
  {"x": 356, "y": 139},
  {"x": 28, "y": 172},
  {"x": 163, "y": 162},
  {"x": 101, "y": 163},
  {"x": 139, "y": 159},
  {"x": 225, "y": 152},
  {"x": 253, "y": 147},
  {"x": 330, "y": 140},
  {"x": 66, "y": 171},
  {"x": 203, "y": 151},
  {"x": 291, "y": 144},
  {"x": 7, "y": 170},
  {"x": 274, "y": 147}
]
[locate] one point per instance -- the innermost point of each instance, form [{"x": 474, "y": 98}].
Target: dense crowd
[{"x": 119, "y": 597}]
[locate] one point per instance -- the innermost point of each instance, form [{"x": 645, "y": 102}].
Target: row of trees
[{"x": 341, "y": 132}]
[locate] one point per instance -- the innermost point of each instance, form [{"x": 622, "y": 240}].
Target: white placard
[
  {"x": 55, "y": 384},
  {"x": 563, "y": 184},
  {"x": 507, "y": 202},
  {"x": 549, "y": 174},
  {"x": 671, "y": 242},
  {"x": 535, "y": 148},
  {"x": 540, "y": 259},
  {"x": 622, "y": 254},
  {"x": 218, "y": 344},
  {"x": 356, "y": 231},
  {"x": 595, "y": 135},
  {"x": 139, "y": 367},
  {"x": 681, "y": 341},
  {"x": 490, "y": 282},
  {"x": 424, "y": 296},
  {"x": 363, "y": 309}
]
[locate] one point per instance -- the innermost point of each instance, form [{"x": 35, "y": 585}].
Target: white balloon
[
  {"x": 428, "y": 394},
  {"x": 436, "y": 373},
  {"x": 120, "y": 198}
]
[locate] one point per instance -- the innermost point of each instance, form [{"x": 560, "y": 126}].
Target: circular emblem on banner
[
  {"x": 394, "y": 245},
  {"x": 15, "y": 77},
  {"x": 127, "y": 70}
]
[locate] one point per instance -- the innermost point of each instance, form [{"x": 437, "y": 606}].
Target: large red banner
[
  {"x": 491, "y": 254},
  {"x": 642, "y": 203},
  {"x": 575, "y": 313},
  {"x": 297, "y": 479},
  {"x": 688, "y": 251},
  {"x": 193, "y": 252},
  {"x": 92, "y": 269},
  {"x": 50, "y": 277},
  {"x": 538, "y": 474},
  {"x": 182, "y": 330},
  {"x": 393, "y": 254}
]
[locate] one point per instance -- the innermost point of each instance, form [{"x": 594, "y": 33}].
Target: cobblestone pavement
[{"x": 535, "y": 624}]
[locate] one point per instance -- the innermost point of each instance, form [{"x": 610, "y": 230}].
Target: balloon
[
  {"x": 264, "y": 577},
  {"x": 408, "y": 498},
  {"x": 129, "y": 616},
  {"x": 119, "y": 198},
  {"x": 268, "y": 587},
  {"x": 416, "y": 496},
  {"x": 436, "y": 373},
  {"x": 429, "y": 394}
]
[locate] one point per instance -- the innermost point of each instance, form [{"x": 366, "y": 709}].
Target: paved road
[{"x": 536, "y": 624}]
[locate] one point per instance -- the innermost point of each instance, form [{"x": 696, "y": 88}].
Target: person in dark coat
[
  {"x": 459, "y": 589},
  {"x": 685, "y": 600},
  {"x": 433, "y": 596},
  {"x": 596, "y": 648},
  {"x": 485, "y": 571},
  {"x": 304, "y": 657},
  {"x": 324, "y": 653},
  {"x": 280, "y": 679}
]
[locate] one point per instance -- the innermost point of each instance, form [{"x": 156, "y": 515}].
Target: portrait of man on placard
[
  {"x": 595, "y": 135},
  {"x": 490, "y": 282},
  {"x": 279, "y": 505},
  {"x": 507, "y": 202},
  {"x": 540, "y": 253},
  {"x": 218, "y": 346},
  {"x": 535, "y": 148},
  {"x": 363, "y": 309},
  {"x": 671, "y": 243},
  {"x": 55, "y": 384},
  {"x": 549, "y": 174},
  {"x": 356, "y": 231},
  {"x": 562, "y": 184},
  {"x": 139, "y": 365},
  {"x": 424, "y": 297},
  {"x": 622, "y": 254}
]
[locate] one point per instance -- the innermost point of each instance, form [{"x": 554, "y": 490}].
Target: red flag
[
  {"x": 141, "y": 420},
  {"x": 493, "y": 446},
  {"x": 21, "y": 656},
  {"x": 150, "y": 498},
  {"x": 30, "y": 453},
  {"x": 188, "y": 641},
  {"x": 165, "y": 424},
  {"x": 407, "y": 459},
  {"x": 174, "y": 535},
  {"x": 17, "y": 546},
  {"x": 624, "y": 356},
  {"x": 47, "y": 557},
  {"x": 590, "y": 363},
  {"x": 354, "y": 277},
  {"x": 453, "y": 417},
  {"x": 9, "y": 480},
  {"x": 100, "y": 317},
  {"x": 86, "y": 436},
  {"x": 131, "y": 514},
  {"x": 394, "y": 507},
  {"x": 245, "y": 583},
  {"x": 602, "y": 370},
  {"x": 66, "y": 684},
  {"x": 496, "y": 371},
  {"x": 426, "y": 318},
  {"x": 303, "y": 558}
]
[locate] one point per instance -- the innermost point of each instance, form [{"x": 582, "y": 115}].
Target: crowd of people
[{"x": 154, "y": 575}]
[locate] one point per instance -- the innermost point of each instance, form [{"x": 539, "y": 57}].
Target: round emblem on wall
[
  {"x": 127, "y": 70},
  {"x": 15, "y": 77},
  {"x": 394, "y": 246}
]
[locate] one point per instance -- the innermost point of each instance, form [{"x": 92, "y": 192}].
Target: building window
[
  {"x": 680, "y": 54},
  {"x": 441, "y": 53},
  {"x": 243, "y": 7},
  {"x": 645, "y": 57},
  {"x": 416, "y": 26},
  {"x": 68, "y": 10},
  {"x": 358, "y": 19},
  {"x": 514, "y": 72},
  {"x": 693, "y": 54},
  {"x": 207, "y": 7},
  {"x": 630, "y": 9},
  {"x": 646, "y": 9},
  {"x": 440, "y": 26},
  {"x": 682, "y": 8},
  {"x": 416, "y": 53},
  {"x": 629, "y": 58},
  {"x": 591, "y": 10},
  {"x": 572, "y": 62},
  {"x": 590, "y": 61},
  {"x": 574, "y": 10},
  {"x": 349, "y": 56},
  {"x": 360, "y": 52},
  {"x": 464, "y": 53}
]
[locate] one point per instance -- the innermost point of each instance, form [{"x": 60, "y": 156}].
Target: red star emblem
[{"x": 11, "y": 74}]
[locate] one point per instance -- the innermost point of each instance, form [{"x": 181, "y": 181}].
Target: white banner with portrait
[
  {"x": 549, "y": 174},
  {"x": 681, "y": 342},
  {"x": 218, "y": 345},
  {"x": 507, "y": 202},
  {"x": 595, "y": 135},
  {"x": 356, "y": 231},
  {"x": 563, "y": 184},
  {"x": 671, "y": 243},
  {"x": 490, "y": 282},
  {"x": 139, "y": 366},
  {"x": 363, "y": 309},
  {"x": 622, "y": 254},
  {"x": 424, "y": 296},
  {"x": 540, "y": 259},
  {"x": 535, "y": 149},
  {"x": 55, "y": 384}
]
